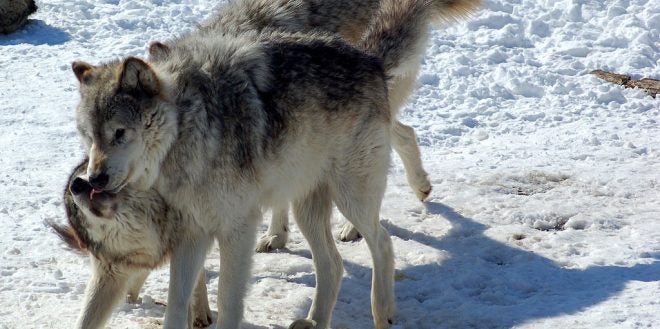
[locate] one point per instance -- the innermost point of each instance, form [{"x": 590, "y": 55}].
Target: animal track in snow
[{"x": 529, "y": 184}]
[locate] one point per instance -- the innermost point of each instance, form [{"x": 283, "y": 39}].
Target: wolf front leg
[
  {"x": 185, "y": 265},
  {"x": 312, "y": 215},
  {"x": 236, "y": 241},
  {"x": 104, "y": 291},
  {"x": 135, "y": 283}
]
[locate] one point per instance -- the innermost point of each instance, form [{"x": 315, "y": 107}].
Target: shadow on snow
[
  {"x": 483, "y": 283},
  {"x": 36, "y": 32}
]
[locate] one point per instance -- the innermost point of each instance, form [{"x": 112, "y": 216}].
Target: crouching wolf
[
  {"x": 127, "y": 235},
  {"x": 225, "y": 124}
]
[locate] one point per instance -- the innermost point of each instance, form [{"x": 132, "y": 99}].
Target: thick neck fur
[
  {"x": 194, "y": 72},
  {"x": 134, "y": 236}
]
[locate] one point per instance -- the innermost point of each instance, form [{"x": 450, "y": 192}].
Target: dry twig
[{"x": 651, "y": 86}]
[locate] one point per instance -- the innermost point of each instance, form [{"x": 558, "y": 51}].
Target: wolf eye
[{"x": 119, "y": 133}]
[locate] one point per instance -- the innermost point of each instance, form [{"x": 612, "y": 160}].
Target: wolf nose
[
  {"x": 79, "y": 186},
  {"x": 99, "y": 181}
]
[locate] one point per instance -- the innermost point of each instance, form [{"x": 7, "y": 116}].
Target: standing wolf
[
  {"x": 349, "y": 19},
  {"x": 223, "y": 125}
]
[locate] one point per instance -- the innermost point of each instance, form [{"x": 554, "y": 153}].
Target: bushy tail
[{"x": 398, "y": 32}]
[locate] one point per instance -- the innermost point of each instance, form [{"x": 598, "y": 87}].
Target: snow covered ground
[{"x": 546, "y": 204}]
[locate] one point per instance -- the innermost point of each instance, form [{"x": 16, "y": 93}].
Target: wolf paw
[
  {"x": 303, "y": 324},
  {"x": 202, "y": 320},
  {"x": 422, "y": 187},
  {"x": 424, "y": 192},
  {"x": 349, "y": 233},
  {"x": 270, "y": 242},
  {"x": 133, "y": 299},
  {"x": 385, "y": 325}
]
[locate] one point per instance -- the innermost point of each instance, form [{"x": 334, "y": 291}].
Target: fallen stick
[{"x": 651, "y": 86}]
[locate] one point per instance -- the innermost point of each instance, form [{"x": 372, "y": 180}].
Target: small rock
[{"x": 14, "y": 14}]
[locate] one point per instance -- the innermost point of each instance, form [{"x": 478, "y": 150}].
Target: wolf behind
[
  {"x": 224, "y": 125},
  {"x": 126, "y": 235}
]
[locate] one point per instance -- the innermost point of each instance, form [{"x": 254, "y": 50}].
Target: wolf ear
[
  {"x": 81, "y": 70},
  {"x": 138, "y": 78},
  {"x": 158, "y": 51}
]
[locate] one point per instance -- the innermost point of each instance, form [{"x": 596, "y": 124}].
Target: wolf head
[
  {"x": 125, "y": 223},
  {"x": 96, "y": 205},
  {"x": 124, "y": 121},
  {"x": 85, "y": 209}
]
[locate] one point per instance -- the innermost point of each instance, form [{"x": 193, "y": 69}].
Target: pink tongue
[{"x": 93, "y": 192}]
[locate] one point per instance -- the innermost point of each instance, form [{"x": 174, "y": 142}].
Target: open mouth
[
  {"x": 101, "y": 203},
  {"x": 98, "y": 193},
  {"x": 81, "y": 186}
]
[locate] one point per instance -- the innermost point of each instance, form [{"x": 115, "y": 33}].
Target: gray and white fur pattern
[
  {"x": 400, "y": 41},
  {"x": 225, "y": 125},
  {"x": 349, "y": 19}
]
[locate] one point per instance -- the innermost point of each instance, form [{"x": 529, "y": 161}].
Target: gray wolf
[
  {"x": 349, "y": 19},
  {"x": 14, "y": 14},
  {"x": 126, "y": 234},
  {"x": 223, "y": 125}
]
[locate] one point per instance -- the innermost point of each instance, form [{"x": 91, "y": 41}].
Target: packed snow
[{"x": 545, "y": 211}]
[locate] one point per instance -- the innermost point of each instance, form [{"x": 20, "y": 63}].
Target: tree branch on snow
[{"x": 651, "y": 86}]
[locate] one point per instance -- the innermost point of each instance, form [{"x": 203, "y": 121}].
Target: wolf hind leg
[
  {"x": 404, "y": 142},
  {"x": 358, "y": 197},
  {"x": 312, "y": 214},
  {"x": 403, "y": 137},
  {"x": 278, "y": 231},
  {"x": 349, "y": 233}
]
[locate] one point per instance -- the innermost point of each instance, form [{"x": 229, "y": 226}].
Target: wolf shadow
[
  {"x": 36, "y": 32},
  {"x": 481, "y": 283},
  {"x": 484, "y": 283}
]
